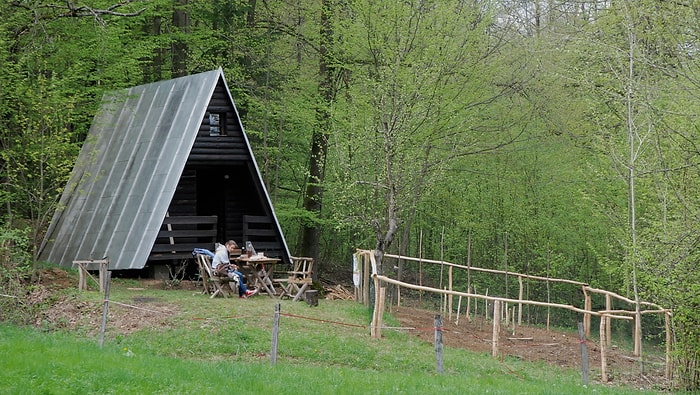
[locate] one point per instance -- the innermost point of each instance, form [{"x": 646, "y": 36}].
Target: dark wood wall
[
  {"x": 219, "y": 150},
  {"x": 220, "y": 179}
]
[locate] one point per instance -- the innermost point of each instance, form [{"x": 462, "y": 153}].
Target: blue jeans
[{"x": 241, "y": 282}]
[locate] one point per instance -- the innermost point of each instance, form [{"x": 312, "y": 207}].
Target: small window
[{"x": 216, "y": 124}]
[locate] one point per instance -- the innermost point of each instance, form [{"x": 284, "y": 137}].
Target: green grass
[{"x": 196, "y": 347}]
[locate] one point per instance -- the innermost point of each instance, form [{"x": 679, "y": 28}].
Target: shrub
[{"x": 15, "y": 268}]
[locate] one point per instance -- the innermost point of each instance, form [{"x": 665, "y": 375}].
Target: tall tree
[
  {"x": 181, "y": 22},
  {"x": 639, "y": 66},
  {"x": 421, "y": 80},
  {"x": 313, "y": 198}
]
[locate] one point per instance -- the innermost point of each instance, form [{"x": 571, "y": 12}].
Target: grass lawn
[{"x": 181, "y": 342}]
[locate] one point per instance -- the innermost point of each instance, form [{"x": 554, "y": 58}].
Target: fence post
[
  {"x": 438, "y": 344},
  {"x": 459, "y": 308},
  {"x": 380, "y": 313},
  {"x": 275, "y": 334},
  {"x": 496, "y": 327},
  {"x": 667, "y": 320},
  {"x": 587, "y": 316},
  {"x": 584, "y": 353},
  {"x": 449, "y": 296},
  {"x": 105, "y": 307},
  {"x": 520, "y": 298},
  {"x": 82, "y": 277},
  {"x": 608, "y": 306},
  {"x": 104, "y": 267},
  {"x": 603, "y": 356}
]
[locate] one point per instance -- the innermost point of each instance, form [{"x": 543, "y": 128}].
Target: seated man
[{"x": 223, "y": 267}]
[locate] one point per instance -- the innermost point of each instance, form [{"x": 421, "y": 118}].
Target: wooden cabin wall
[
  {"x": 185, "y": 199},
  {"x": 217, "y": 162},
  {"x": 219, "y": 150}
]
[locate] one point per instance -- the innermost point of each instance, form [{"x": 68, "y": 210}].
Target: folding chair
[
  {"x": 299, "y": 278},
  {"x": 213, "y": 283}
]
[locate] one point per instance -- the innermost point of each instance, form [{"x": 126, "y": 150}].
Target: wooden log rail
[
  {"x": 180, "y": 235},
  {"x": 367, "y": 259},
  {"x": 637, "y": 315}
]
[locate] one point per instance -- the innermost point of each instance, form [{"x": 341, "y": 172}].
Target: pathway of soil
[{"x": 534, "y": 344}]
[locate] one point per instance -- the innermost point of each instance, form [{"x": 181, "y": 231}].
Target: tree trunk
[
  {"x": 181, "y": 21},
  {"x": 313, "y": 198}
]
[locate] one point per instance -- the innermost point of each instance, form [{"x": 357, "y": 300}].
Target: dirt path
[{"x": 534, "y": 344}]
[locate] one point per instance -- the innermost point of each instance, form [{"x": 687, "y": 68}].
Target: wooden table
[{"x": 260, "y": 268}]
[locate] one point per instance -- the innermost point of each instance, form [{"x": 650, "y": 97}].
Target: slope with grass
[{"x": 180, "y": 341}]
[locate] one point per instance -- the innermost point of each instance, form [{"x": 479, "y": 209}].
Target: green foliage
[
  {"x": 15, "y": 260},
  {"x": 15, "y": 270},
  {"x": 424, "y": 91}
]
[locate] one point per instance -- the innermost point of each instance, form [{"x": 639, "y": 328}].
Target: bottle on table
[{"x": 249, "y": 250}]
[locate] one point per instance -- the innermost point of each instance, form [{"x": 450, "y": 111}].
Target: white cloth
[{"x": 355, "y": 272}]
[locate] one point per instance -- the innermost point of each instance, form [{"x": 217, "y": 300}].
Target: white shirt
[{"x": 221, "y": 256}]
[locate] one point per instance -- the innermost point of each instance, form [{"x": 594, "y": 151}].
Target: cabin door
[{"x": 214, "y": 188}]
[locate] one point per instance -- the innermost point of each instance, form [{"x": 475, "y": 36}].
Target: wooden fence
[{"x": 367, "y": 268}]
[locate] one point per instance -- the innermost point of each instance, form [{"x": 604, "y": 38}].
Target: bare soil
[
  {"x": 527, "y": 343},
  {"x": 535, "y": 344}
]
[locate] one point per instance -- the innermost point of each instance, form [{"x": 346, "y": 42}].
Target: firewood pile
[{"x": 337, "y": 292}]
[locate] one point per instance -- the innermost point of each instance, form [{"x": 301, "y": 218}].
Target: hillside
[{"x": 153, "y": 306}]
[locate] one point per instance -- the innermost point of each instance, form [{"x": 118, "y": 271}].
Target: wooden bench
[
  {"x": 182, "y": 234},
  {"x": 298, "y": 279}
]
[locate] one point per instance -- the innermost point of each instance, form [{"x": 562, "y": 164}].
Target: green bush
[{"x": 15, "y": 269}]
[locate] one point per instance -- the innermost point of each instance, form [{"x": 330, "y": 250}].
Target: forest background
[{"x": 546, "y": 137}]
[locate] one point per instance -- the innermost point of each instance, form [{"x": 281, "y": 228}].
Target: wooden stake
[
  {"x": 486, "y": 305},
  {"x": 587, "y": 316},
  {"x": 103, "y": 274},
  {"x": 438, "y": 344},
  {"x": 82, "y": 277},
  {"x": 520, "y": 297},
  {"x": 420, "y": 268},
  {"x": 459, "y": 308},
  {"x": 548, "y": 292},
  {"x": 469, "y": 264},
  {"x": 469, "y": 302},
  {"x": 667, "y": 319},
  {"x": 603, "y": 356},
  {"x": 105, "y": 309},
  {"x": 496, "y": 327},
  {"x": 275, "y": 333},
  {"x": 638, "y": 333},
  {"x": 380, "y": 313},
  {"x": 608, "y": 306},
  {"x": 449, "y": 297},
  {"x": 584, "y": 353}
]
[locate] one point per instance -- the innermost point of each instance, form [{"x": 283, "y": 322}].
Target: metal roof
[{"x": 127, "y": 172}]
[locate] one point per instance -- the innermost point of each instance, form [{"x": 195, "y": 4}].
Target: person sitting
[{"x": 223, "y": 267}]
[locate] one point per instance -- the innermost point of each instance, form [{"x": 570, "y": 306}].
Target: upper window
[{"x": 216, "y": 124}]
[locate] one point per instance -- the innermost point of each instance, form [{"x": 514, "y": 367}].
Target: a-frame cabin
[{"x": 166, "y": 167}]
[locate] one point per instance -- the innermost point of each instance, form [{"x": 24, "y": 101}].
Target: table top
[{"x": 256, "y": 259}]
